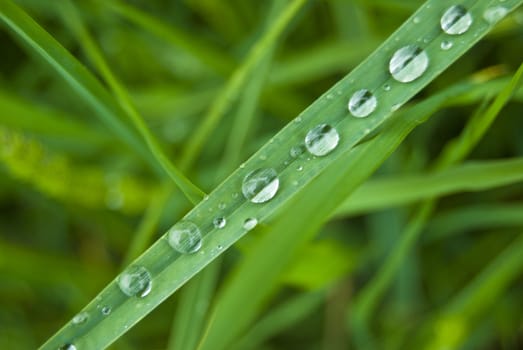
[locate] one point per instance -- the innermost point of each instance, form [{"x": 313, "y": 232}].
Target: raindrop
[
  {"x": 446, "y": 45},
  {"x": 321, "y": 140},
  {"x": 106, "y": 310},
  {"x": 408, "y": 63},
  {"x": 362, "y": 103},
  {"x": 222, "y": 205},
  {"x": 67, "y": 346},
  {"x": 219, "y": 222},
  {"x": 495, "y": 14},
  {"x": 263, "y": 157},
  {"x": 296, "y": 151},
  {"x": 82, "y": 317},
  {"x": 456, "y": 20},
  {"x": 234, "y": 195},
  {"x": 206, "y": 197},
  {"x": 386, "y": 87},
  {"x": 416, "y": 20},
  {"x": 219, "y": 247},
  {"x": 297, "y": 120},
  {"x": 260, "y": 185},
  {"x": 395, "y": 107},
  {"x": 299, "y": 168},
  {"x": 135, "y": 281},
  {"x": 250, "y": 223},
  {"x": 185, "y": 237}
]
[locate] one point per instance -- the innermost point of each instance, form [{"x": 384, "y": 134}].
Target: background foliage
[{"x": 78, "y": 204}]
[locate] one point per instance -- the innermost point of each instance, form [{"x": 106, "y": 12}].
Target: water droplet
[
  {"x": 80, "y": 318},
  {"x": 135, "y": 281},
  {"x": 185, "y": 237},
  {"x": 219, "y": 222},
  {"x": 263, "y": 157},
  {"x": 222, "y": 205},
  {"x": 329, "y": 96},
  {"x": 416, "y": 20},
  {"x": 67, "y": 346},
  {"x": 206, "y": 197},
  {"x": 250, "y": 223},
  {"x": 219, "y": 247},
  {"x": 408, "y": 63},
  {"x": 242, "y": 165},
  {"x": 234, "y": 195},
  {"x": 446, "y": 45},
  {"x": 395, "y": 107},
  {"x": 296, "y": 151},
  {"x": 106, "y": 310},
  {"x": 295, "y": 183},
  {"x": 362, "y": 103},
  {"x": 297, "y": 120},
  {"x": 456, "y": 20},
  {"x": 495, "y": 14},
  {"x": 321, "y": 140},
  {"x": 260, "y": 185},
  {"x": 386, "y": 87},
  {"x": 299, "y": 167}
]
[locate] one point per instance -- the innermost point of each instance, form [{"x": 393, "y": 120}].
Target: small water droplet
[
  {"x": 299, "y": 167},
  {"x": 362, "y": 103},
  {"x": 456, "y": 20},
  {"x": 321, "y": 140},
  {"x": 250, "y": 223},
  {"x": 185, "y": 237},
  {"x": 135, "y": 281},
  {"x": 260, "y": 185},
  {"x": 106, "y": 310},
  {"x": 386, "y": 87},
  {"x": 495, "y": 14},
  {"x": 329, "y": 96},
  {"x": 416, "y": 20},
  {"x": 80, "y": 318},
  {"x": 219, "y": 222},
  {"x": 395, "y": 107},
  {"x": 296, "y": 151},
  {"x": 408, "y": 63},
  {"x": 234, "y": 195},
  {"x": 446, "y": 45},
  {"x": 222, "y": 205},
  {"x": 297, "y": 120},
  {"x": 242, "y": 165},
  {"x": 219, "y": 247},
  {"x": 263, "y": 157},
  {"x": 67, "y": 346},
  {"x": 295, "y": 183}
]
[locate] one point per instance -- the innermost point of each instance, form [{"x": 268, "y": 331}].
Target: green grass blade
[{"x": 327, "y": 176}]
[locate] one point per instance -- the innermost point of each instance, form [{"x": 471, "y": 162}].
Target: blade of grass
[
  {"x": 456, "y": 150},
  {"x": 170, "y": 270},
  {"x": 93, "y": 92}
]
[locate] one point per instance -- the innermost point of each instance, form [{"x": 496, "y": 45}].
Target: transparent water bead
[
  {"x": 260, "y": 185},
  {"x": 135, "y": 281},
  {"x": 250, "y": 223},
  {"x": 219, "y": 222},
  {"x": 296, "y": 151},
  {"x": 67, "y": 346},
  {"x": 456, "y": 20},
  {"x": 362, "y": 103},
  {"x": 106, "y": 310},
  {"x": 321, "y": 140},
  {"x": 495, "y": 14},
  {"x": 408, "y": 63},
  {"x": 80, "y": 318},
  {"x": 185, "y": 237},
  {"x": 446, "y": 45}
]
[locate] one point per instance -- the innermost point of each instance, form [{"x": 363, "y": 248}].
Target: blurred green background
[{"x": 73, "y": 196}]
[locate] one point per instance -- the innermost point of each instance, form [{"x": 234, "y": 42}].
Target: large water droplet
[
  {"x": 260, "y": 185},
  {"x": 362, "y": 103},
  {"x": 250, "y": 223},
  {"x": 456, "y": 20},
  {"x": 495, "y": 14},
  {"x": 219, "y": 222},
  {"x": 135, "y": 281},
  {"x": 80, "y": 318},
  {"x": 185, "y": 237},
  {"x": 321, "y": 140},
  {"x": 408, "y": 63}
]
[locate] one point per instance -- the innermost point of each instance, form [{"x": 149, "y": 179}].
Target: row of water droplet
[{"x": 261, "y": 185}]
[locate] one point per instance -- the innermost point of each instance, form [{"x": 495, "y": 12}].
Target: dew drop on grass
[
  {"x": 260, "y": 185},
  {"x": 106, "y": 310},
  {"x": 67, "y": 346},
  {"x": 362, "y": 103},
  {"x": 80, "y": 318},
  {"x": 219, "y": 222},
  {"x": 386, "y": 87},
  {"x": 299, "y": 167},
  {"x": 296, "y": 151},
  {"x": 250, "y": 223},
  {"x": 222, "y": 205},
  {"x": 135, "y": 281},
  {"x": 494, "y": 14},
  {"x": 446, "y": 45},
  {"x": 185, "y": 237},
  {"x": 456, "y": 20},
  {"x": 321, "y": 140},
  {"x": 408, "y": 63}
]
